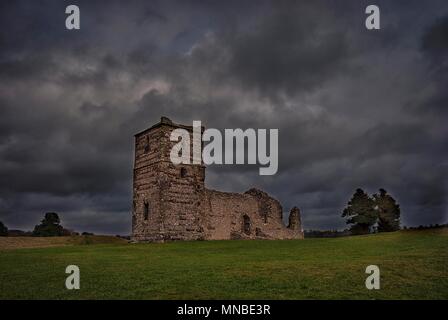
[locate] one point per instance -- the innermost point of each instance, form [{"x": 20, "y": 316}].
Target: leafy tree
[
  {"x": 49, "y": 227},
  {"x": 360, "y": 213},
  {"x": 388, "y": 211},
  {"x": 3, "y": 230}
]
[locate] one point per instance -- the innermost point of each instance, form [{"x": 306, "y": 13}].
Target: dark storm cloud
[
  {"x": 354, "y": 108},
  {"x": 287, "y": 54},
  {"x": 434, "y": 39}
]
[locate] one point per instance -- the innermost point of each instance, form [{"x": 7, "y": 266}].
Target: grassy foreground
[
  {"x": 45, "y": 242},
  {"x": 413, "y": 264}
]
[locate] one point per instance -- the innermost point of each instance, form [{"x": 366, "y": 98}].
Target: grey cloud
[{"x": 434, "y": 39}]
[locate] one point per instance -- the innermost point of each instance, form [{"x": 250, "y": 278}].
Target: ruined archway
[{"x": 246, "y": 224}]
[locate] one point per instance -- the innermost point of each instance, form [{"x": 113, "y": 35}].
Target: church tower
[{"x": 168, "y": 199}]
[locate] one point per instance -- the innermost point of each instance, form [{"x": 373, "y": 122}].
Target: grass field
[
  {"x": 413, "y": 264},
  {"x": 9, "y": 243}
]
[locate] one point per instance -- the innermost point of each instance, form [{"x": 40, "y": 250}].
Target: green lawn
[{"x": 413, "y": 264}]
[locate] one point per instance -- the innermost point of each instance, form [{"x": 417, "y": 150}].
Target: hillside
[{"x": 413, "y": 264}]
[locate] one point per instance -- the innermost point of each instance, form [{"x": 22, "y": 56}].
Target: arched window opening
[
  {"x": 246, "y": 224},
  {"x": 183, "y": 172},
  {"x": 146, "y": 211},
  {"x": 147, "y": 147}
]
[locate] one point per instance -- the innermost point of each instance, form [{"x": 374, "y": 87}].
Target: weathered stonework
[{"x": 170, "y": 202}]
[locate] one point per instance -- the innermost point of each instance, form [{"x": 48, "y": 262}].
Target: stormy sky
[{"x": 354, "y": 108}]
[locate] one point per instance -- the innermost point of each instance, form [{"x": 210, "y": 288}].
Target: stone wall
[
  {"x": 250, "y": 215},
  {"x": 170, "y": 201}
]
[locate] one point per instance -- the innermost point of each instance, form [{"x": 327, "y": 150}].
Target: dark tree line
[
  {"x": 326, "y": 233},
  {"x": 50, "y": 226},
  {"x": 366, "y": 213},
  {"x": 3, "y": 230}
]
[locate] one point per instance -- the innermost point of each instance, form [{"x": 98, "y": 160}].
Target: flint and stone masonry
[{"x": 170, "y": 202}]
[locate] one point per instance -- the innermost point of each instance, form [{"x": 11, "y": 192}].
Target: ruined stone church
[{"x": 170, "y": 202}]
